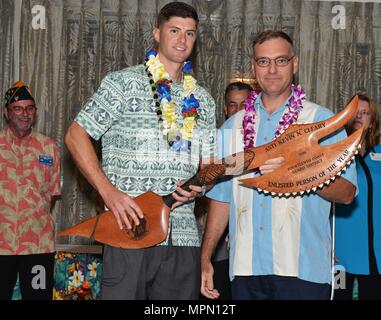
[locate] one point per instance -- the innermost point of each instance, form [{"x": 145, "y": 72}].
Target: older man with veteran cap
[{"x": 29, "y": 179}]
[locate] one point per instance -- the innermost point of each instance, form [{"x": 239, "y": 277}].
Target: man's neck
[
  {"x": 273, "y": 102},
  {"x": 173, "y": 69},
  {"x": 20, "y": 134}
]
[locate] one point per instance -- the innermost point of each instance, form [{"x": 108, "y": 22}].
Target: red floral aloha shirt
[{"x": 29, "y": 177}]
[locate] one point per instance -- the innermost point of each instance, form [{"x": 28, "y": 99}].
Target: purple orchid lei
[{"x": 294, "y": 108}]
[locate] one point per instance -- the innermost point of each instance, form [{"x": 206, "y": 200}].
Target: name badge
[
  {"x": 375, "y": 156},
  {"x": 46, "y": 160}
]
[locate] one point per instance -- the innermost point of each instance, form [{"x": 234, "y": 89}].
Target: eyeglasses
[
  {"x": 279, "y": 61},
  {"x": 20, "y": 110}
]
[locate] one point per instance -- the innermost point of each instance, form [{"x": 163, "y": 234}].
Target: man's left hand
[{"x": 181, "y": 196}]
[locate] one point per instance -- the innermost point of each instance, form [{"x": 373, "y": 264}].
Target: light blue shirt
[
  {"x": 300, "y": 245},
  {"x": 352, "y": 223}
]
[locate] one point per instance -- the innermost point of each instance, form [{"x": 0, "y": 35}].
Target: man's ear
[
  {"x": 6, "y": 113},
  {"x": 295, "y": 65},
  {"x": 156, "y": 34},
  {"x": 252, "y": 66}
]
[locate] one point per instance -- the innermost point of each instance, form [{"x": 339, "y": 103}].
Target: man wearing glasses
[
  {"x": 29, "y": 179},
  {"x": 279, "y": 247}
]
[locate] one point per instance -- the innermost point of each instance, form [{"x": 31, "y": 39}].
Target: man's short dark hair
[
  {"x": 176, "y": 9},
  {"x": 236, "y": 86},
  {"x": 273, "y": 34}
]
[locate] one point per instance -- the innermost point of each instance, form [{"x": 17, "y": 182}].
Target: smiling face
[
  {"x": 274, "y": 80},
  {"x": 21, "y": 116},
  {"x": 176, "y": 38}
]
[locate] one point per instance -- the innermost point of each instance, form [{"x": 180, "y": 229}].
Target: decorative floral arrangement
[
  {"x": 179, "y": 135},
  {"x": 77, "y": 277},
  {"x": 294, "y": 107}
]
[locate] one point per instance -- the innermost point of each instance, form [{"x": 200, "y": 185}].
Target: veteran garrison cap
[{"x": 18, "y": 91}]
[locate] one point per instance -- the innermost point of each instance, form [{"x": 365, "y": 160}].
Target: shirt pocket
[{"x": 37, "y": 174}]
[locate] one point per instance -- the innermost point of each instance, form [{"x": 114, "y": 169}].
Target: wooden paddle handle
[{"x": 205, "y": 176}]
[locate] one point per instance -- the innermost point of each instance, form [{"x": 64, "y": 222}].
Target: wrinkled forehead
[{"x": 273, "y": 48}]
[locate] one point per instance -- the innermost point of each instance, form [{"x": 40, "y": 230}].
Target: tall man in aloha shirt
[
  {"x": 138, "y": 156},
  {"x": 29, "y": 178},
  {"x": 135, "y": 157}
]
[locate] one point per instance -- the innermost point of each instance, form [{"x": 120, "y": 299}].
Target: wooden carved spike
[{"x": 307, "y": 163}]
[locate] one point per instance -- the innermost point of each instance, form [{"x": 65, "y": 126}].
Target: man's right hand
[
  {"x": 79, "y": 143},
  {"x": 207, "y": 285},
  {"x": 122, "y": 206}
]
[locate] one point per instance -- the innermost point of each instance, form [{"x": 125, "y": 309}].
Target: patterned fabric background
[
  {"x": 84, "y": 40},
  {"x": 76, "y": 277}
]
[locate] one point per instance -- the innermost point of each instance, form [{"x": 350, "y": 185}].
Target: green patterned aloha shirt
[{"x": 135, "y": 155}]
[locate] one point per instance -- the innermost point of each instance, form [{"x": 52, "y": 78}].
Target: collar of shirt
[
  {"x": 259, "y": 104},
  {"x": 14, "y": 140}
]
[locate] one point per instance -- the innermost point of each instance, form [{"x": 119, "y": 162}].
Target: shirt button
[
  {"x": 261, "y": 205},
  {"x": 268, "y": 119},
  {"x": 265, "y": 138},
  {"x": 261, "y": 228}
]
